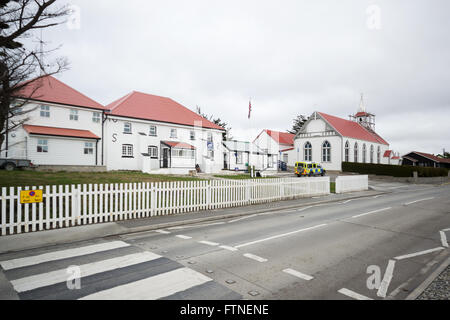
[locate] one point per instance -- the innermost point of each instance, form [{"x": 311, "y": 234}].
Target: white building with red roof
[
  {"x": 331, "y": 140},
  {"x": 278, "y": 145},
  {"x": 63, "y": 127},
  {"x": 157, "y": 134}
]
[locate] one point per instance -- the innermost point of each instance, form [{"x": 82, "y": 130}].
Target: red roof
[
  {"x": 178, "y": 145},
  {"x": 395, "y": 158},
  {"x": 50, "y": 89},
  {"x": 387, "y": 153},
  {"x": 279, "y": 137},
  {"x": 352, "y": 129},
  {"x": 432, "y": 157},
  {"x": 63, "y": 132},
  {"x": 140, "y": 105},
  {"x": 361, "y": 114},
  {"x": 285, "y": 150}
]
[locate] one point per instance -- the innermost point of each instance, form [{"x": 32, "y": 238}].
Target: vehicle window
[{"x": 309, "y": 165}]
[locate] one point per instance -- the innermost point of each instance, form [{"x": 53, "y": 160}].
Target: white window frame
[
  {"x": 153, "y": 152},
  {"x": 372, "y": 150},
  {"x": 127, "y": 151},
  {"x": 192, "y": 135},
  {"x": 326, "y": 151},
  {"x": 355, "y": 152},
  {"x": 96, "y": 117},
  {"x": 151, "y": 129},
  {"x": 239, "y": 157},
  {"x": 307, "y": 150},
  {"x": 45, "y": 111},
  {"x": 173, "y": 133},
  {"x": 88, "y": 148},
  {"x": 127, "y": 128},
  {"x": 73, "y": 116},
  {"x": 347, "y": 152},
  {"x": 364, "y": 153},
  {"x": 43, "y": 144},
  {"x": 378, "y": 155}
]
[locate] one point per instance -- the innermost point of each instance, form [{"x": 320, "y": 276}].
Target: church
[{"x": 331, "y": 140}]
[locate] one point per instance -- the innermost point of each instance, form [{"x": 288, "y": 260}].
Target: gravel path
[{"x": 439, "y": 289}]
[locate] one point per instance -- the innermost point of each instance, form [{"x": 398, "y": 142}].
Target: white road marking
[
  {"x": 353, "y": 294},
  {"x": 298, "y": 274},
  {"x": 254, "y": 257},
  {"x": 375, "y": 211},
  {"x": 443, "y": 239},
  {"x": 411, "y": 255},
  {"x": 183, "y": 237},
  {"x": 162, "y": 231},
  {"x": 446, "y": 229},
  {"x": 61, "y": 254},
  {"x": 303, "y": 209},
  {"x": 375, "y": 197},
  {"x": 195, "y": 226},
  {"x": 243, "y": 218},
  {"x": 57, "y": 276},
  {"x": 408, "y": 203},
  {"x": 279, "y": 236},
  {"x": 156, "y": 287},
  {"x": 228, "y": 248},
  {"x": 386, "y": 279},
  {"x": 209, "y": 243},
  {"x": 346, "y": 201}
]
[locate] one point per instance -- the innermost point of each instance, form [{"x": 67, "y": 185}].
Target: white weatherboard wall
[
  {"x": 352, "y": 183},
  {"x": 68, "y": 206},
  {"x": 62, "y": 150}
]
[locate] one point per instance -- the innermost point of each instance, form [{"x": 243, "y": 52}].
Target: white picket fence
[
  {"x": 352, "y": 183},
  {"x": 73, "y": 205}
]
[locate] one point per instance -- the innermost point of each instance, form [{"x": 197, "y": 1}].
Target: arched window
[
  {"x": 347, "y": 152},
  {"x": 308, "y": 151},
  {"x": 326, "y": 152},
  {"x": 371, "y": 154},
  {"x": 378, "y": 154},
  {"x": 364, "y": 151},
  {"x": 355, "y": 152}
]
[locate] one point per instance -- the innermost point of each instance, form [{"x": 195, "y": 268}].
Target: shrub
[{"x": 393, "y": 170}]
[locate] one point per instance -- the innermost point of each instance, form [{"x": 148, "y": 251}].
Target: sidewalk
[{"x": 32, "y": 240}]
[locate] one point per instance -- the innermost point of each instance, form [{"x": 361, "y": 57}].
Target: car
[{"x": 309, "y": 169}]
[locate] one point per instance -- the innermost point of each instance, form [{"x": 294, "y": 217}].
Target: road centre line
[
  {"x": 353, "y": 294},
  {"x": 209, "y": 243},
  {"x": 162, "y": 231},
  {"x": 408, "y": 203},
  {"x": 254, "y": 257},
  {"x": 279, "y": 236},
  {"x": 298, "y": 274},
  {"x": 183, "y": 237},
  {"x": 229, "y": 248},
  {"x": 443, "y": 239},
  {"x": 243, "y": 218},
  {"x": 375, "y": 211},
  {"x": 411, "y": 255},
  {"x": 386, "y": 279}
]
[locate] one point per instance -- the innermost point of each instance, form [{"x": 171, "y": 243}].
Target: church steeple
[{"x": 363, "y": 117}]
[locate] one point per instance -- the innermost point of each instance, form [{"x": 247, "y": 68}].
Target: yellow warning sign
[{"x": 30, "y": 196}]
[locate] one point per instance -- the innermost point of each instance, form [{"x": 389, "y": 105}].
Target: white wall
[{"x": 316, "y": 142}]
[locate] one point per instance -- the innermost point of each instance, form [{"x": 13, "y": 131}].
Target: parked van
[{"x": 308, "y": 169}]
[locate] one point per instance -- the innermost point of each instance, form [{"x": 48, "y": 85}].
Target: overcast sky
[{"x": 291, "y": 57}]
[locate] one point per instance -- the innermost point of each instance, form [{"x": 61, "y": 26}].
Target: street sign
[
  {"x": 31, "y": 196},
  {"x": 210, "y": 146}
]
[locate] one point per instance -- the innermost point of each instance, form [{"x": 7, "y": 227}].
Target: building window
[
  {"x": 153, "y": 152},
  {"x": 173, "y": 133},
  {"x": 355, "y": 152},
  {"x": 269, "y": 161},
  {"x": 364, "y": 153},
  {"x": 378, "y": 154},
  {"x": 88, "y": 148},
  {"x": 42, "y": 146},
  {"x": 127, "y": 151},
  {"x": 192, "y": 135},
  {"x": 285, "y": 158},
  {"x": 371, "y": 154},
  {"x": 326, "y": 152},
  {"x": 238, "y": 157},
  {"x": 45, "y": 111},
  {"x": 183, "y": 153},
  {"x": 211, "y": 154},
  {"x": 127, "y": 128},
  {"x": 347, "y": 152},
  {"x": 308, "y": 151},
  {"x": 96, "y": 117},
  {"x": 210, "y": 138},
  {"x": 153, "y": 132},
  {"x": 73, "y": 115}
]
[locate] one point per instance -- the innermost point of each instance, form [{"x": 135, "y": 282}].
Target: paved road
[{"x": 318, "y": 252}]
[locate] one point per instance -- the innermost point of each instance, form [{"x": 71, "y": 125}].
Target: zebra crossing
[{"x": 108, "y": 270}]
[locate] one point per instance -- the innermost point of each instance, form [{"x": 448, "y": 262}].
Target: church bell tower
[{"x": 363, "y": 117}]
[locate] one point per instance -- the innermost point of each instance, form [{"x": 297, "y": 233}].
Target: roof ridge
[{"x": 119, "y": 101}]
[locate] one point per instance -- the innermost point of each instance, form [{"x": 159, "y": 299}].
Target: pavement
[{"x": 385, "y": 243}]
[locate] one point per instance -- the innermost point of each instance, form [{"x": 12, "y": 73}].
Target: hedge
[{"x": 392, "y": 170}]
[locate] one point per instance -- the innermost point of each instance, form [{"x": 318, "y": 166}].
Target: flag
[{"x": 249, "y": 108}]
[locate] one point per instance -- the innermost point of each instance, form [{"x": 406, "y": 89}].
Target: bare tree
[
  {"x": 20, "y": 65},
  {"x": 219, "y": 122}
]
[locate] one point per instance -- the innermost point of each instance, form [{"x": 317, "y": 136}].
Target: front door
[
  {"x": 225, "y": 163},
  {"x": 165, "y": 157}
]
